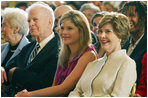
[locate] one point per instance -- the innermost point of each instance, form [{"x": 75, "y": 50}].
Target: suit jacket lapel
[
  {"x": 94, "y": 72},
  {"x": 142, "y": 43},
  {"x": 46, "y": 50}
]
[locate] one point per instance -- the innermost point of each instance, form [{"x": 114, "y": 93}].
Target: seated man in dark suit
[
  {"x": 35, "y": 66},
  {"x": 136, "y": 11}
]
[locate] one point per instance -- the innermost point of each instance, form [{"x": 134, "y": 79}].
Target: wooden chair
[{"x": 132, "y": 94}]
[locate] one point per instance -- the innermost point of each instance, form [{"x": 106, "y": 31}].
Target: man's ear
[{"x": 50, "y": 22}]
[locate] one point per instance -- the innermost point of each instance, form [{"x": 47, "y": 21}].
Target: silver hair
[
  {"x": 90, "y": 6},
  {"x": 45, "y": 6},
  {"x": 17, "y": 18}
]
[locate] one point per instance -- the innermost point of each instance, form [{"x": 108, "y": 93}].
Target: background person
[
  {"x": 136, "y": 11},
  {"x": 95, "y": 21},
  {"x": 89, "y": 9},
  {"x": 59, "y": 11}
]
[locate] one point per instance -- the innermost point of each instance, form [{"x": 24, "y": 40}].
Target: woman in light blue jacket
[{"x": 14, "y": 30}]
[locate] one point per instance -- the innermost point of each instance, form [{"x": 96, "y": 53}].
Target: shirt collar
[
  {"x": 131, "y": 42},
  {"x": 45, "y": 41}
]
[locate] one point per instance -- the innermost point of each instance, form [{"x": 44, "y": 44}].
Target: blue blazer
[
  {"x": 41, "y": 71},
  {"x": 138, "y": 53},
  {"x": 5, "y": 49}
]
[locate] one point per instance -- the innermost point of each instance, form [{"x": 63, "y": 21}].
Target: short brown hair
[{"x": 120, "y": 23}]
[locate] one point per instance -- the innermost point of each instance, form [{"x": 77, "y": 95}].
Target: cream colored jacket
[{"x": 108, "y": 76}]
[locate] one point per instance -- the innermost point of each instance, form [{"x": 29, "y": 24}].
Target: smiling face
[
  {"x": 70, "y": 33},
  {"x": 133, "y": 18},
  {"x": 108, "y": 39}
]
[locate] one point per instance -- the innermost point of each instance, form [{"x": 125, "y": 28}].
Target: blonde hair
[
  {"x": 120, "y": 23},
  {"x": 81, "y": 22}
]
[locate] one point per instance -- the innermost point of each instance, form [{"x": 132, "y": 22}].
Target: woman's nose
[
  {"x": 102, "y": 35},
  {"x": 64, "y": 31}
]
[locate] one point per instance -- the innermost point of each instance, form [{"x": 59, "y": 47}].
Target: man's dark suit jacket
[
  {"x": 41, "y": 72},
  {"x": 138, "y": 53}
]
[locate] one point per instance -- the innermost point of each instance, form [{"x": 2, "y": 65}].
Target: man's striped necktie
[{"x": 33, "y": 53}]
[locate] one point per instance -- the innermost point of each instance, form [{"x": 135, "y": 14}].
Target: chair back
[{"x": 132, "y": 94}]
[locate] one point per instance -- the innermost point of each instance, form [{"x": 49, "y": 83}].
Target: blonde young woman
[
  {"x": 75, "y": 54},
  {"x": 114, "y": 74}
]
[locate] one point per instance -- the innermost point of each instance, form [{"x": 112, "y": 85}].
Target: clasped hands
[{"x": 4, "y": 76}]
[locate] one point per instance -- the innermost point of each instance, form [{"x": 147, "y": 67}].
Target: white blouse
[{"x": 108, "y": 76}]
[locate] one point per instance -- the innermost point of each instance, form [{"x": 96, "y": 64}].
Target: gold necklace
[{"x": 12, "y": 50}]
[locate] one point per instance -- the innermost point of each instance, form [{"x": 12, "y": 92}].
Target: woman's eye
[
  {"x": 62, "y": 28},
  {"x": 35, "y": 19},
  {"x": 107, "y": 31},
  {"x": 99, "y": 31},
  {"x": 69, "y": 28},
  {"x": 28, "y": 21}
]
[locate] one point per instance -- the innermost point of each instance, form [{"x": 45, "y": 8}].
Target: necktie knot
[
  {"x": 37, "y": 46},
  {"x": 34, "y": 52}
]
